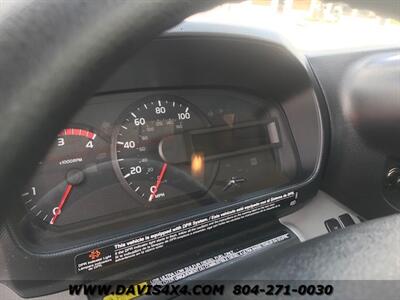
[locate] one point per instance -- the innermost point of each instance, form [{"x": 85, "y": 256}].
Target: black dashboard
[{"x": 187, "y": 142}]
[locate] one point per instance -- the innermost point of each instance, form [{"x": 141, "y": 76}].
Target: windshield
[{"x": 311, "y": 25}]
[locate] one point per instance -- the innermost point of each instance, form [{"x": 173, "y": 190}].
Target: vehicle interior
[{"x": 157, "y": 142}]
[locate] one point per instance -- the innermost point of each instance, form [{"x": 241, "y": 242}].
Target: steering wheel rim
[{"x": 47, "y": 77}]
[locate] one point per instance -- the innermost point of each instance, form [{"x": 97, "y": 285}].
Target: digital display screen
[{"x": 229, "y": 140}]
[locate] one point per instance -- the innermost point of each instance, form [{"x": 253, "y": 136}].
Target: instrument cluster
[{"x": 150, "y": 157}]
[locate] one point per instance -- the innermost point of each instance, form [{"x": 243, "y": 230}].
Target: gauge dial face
[
  {"x": 61, "y": 175},
  {"x": 150, "y": 151}
]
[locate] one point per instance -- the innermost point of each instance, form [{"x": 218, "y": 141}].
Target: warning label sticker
[
  {"x": 214, "y": 261},
  {"x": 98, "y": 258}
]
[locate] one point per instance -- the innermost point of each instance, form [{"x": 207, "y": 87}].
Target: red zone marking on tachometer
[{"x": 77, "y": 132}]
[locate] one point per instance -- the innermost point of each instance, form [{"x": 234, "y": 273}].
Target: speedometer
[{"x": 151, "y": 152}]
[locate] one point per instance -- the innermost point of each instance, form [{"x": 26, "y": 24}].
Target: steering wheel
[{"x": 46, "y": 78}]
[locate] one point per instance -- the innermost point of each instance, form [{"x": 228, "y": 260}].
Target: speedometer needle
[
  {"x": 57, "y": 209},
  {"x": 159, "y": 179}
]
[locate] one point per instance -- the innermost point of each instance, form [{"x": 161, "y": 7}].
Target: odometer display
[{"x": 150, "y": 154}]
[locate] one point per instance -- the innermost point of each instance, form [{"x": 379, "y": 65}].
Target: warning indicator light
[{"x": 197, "y": 164}]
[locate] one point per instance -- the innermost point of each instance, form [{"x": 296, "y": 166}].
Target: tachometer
[
  {"x": 151, "y": 152},
  {"x": 61, "y": 175}
]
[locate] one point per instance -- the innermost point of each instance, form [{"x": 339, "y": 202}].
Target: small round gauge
[
  {"x": 151, "y": 151},
  {"x": 61, "y": 175}
]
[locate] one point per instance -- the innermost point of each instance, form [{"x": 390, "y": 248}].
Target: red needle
[
  {"x": 159, "y": 179},
  {"x": 57, "y": 209}
]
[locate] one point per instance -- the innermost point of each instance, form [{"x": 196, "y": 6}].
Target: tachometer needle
[
  {"x": 57, "y": 209},
  {"x": 159, "y": 179}
]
